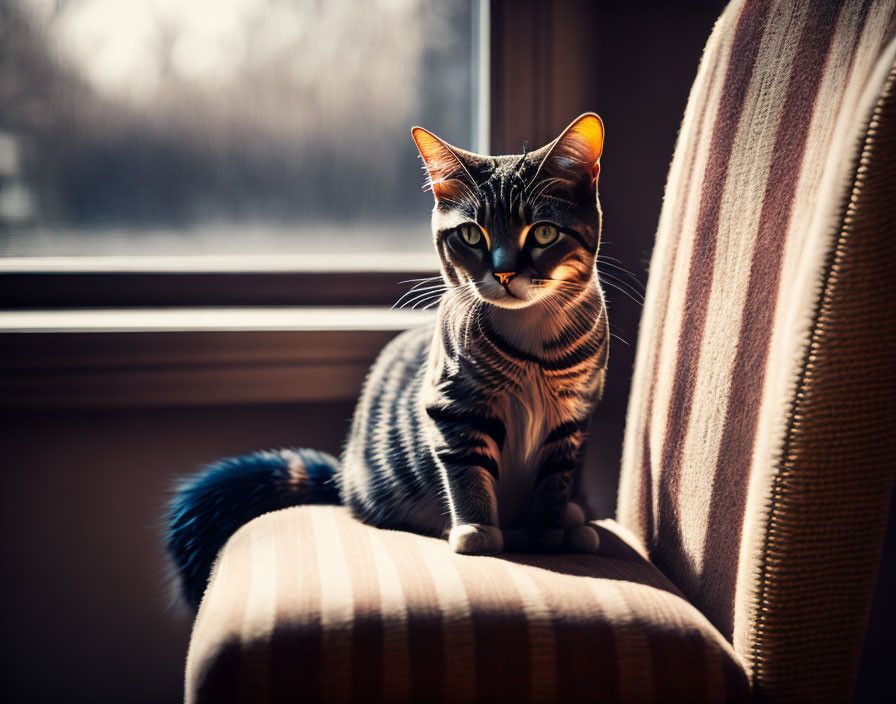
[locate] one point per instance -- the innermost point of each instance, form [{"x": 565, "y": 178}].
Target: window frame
[
  {"x": 190, "y": 357},
  {"x": 124, "y": 282}
]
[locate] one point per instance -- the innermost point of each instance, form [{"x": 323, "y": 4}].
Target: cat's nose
[{"x": 504, "y": 277}]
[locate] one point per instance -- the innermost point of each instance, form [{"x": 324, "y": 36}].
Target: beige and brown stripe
[
  {"x": 308, "y": 604},
  {"x": 785, "y": 134}
]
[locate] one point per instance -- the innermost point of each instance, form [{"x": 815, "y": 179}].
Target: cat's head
[{"x": 515, "y": 228}]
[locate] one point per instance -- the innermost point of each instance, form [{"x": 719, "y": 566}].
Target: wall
[{"x": 86, "y": 612}]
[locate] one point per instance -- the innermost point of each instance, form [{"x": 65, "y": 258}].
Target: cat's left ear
[
  {"x": 449, "y": 178},
  {"x": 574, "y": 157}
]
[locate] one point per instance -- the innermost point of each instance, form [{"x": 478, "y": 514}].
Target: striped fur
[
  {"x": 768, "y": 158},
  {"x": 474, "y": 426},
  {"x": 209, "y": 506}
]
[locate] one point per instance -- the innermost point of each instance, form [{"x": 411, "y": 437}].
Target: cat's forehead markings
[
  {"x": 521, "y": 207},
  {"x": 482, "y": 213}
]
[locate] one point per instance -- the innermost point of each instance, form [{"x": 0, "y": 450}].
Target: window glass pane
[{"x": 170, "y": 127}]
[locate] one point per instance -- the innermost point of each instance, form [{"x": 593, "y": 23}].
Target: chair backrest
[{"x": 759, "y": 453}]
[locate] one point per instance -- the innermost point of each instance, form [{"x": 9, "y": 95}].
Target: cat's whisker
[
  {"x": 624, "y": 288},
  {"x": 425, "y": 303},
  {"x": 612, "y": 277},
  {"x": 625, "y": 293},
  {"x": 610, "y": 296},
  {"x": 435, "y": 281},
  {"x": 561, "y": 282},
  {"x": 419, "y": 288},
  {"x": 617, "y": 337},
  {"x": 419, "y": 295},
  {"x": 426, "y": 278},
  {"x": 569, "y": 290},
  {"x": 423, "y": 284},
  {"x": 422, "y": 296},
  {"x": 427, "y": 286},
  {"x": 613, "y": 261},
  {"x": 621, "y": 270}
]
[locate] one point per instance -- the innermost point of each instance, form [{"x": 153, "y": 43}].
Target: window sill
[{"x": 187, "y": 356}]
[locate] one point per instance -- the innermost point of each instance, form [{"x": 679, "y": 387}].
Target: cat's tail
[{"x": 209, "y": 506}]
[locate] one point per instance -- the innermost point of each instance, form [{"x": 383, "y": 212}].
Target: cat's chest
[
  {"x": 529, "y": 414},
  {"x": 530, "y": 411}
]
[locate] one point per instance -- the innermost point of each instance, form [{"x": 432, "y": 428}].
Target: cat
[{"x": 473, "y": 427}]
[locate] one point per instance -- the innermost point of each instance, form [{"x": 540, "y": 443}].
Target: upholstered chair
[{"x": 759, "y": 454}]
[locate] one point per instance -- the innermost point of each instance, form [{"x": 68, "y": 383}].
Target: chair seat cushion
[{"x": 308, "y": 604}]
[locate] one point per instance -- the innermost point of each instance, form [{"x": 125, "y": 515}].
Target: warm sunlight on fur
[{"x": 444, "y": 169}]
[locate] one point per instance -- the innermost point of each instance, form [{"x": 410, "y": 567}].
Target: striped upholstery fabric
[
  {"x": 759, "y": 455},
  {"x": 307, "y": 604}
]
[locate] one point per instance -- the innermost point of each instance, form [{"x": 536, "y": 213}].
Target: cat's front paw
[
  {"x": 583, "y": 539},
  {"x": 573, "y": 516},
  {"x": 476, "y": 539}
]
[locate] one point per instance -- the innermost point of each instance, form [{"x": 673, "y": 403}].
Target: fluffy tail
[{"x": 209, "y": 506}]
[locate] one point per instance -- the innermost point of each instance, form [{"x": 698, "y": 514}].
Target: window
[
  {"x": 191, "y": 193},
  {"x": 165, "y": 129}
]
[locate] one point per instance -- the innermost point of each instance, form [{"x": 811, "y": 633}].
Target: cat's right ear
[{"x": 447, "y": 176}]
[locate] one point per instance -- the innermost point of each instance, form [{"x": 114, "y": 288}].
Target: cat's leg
[
  {"x": 547, "y": 511},
  {"x": 556, "y": 522},
  {"x": 474, "y": 509},
  {"x": 467, "y": 444}
]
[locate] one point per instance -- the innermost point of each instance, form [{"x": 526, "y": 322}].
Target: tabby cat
[{"x": 472, "y": 427}]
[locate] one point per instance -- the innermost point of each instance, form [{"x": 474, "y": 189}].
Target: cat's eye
[
  {"x": 471, "y": 234},
  {"x": 545, "y": 235}
]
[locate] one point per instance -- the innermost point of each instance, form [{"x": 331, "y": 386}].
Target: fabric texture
[
  {"x": 759, "y": 456},
  {"x": 308, "y": 604}
]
